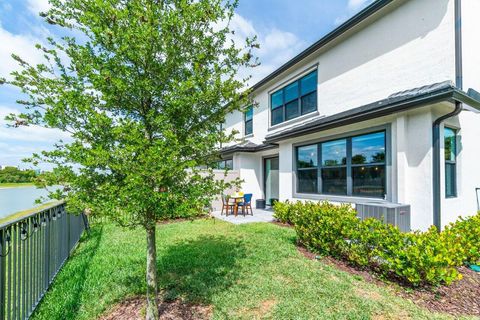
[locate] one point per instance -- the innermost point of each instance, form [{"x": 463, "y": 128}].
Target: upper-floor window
[
  {"x": 295, "y": 99},
  {"x": 450, "y": 136},
  {"x": 248, "y": 121},
  {"x": 353, "y": 166}
]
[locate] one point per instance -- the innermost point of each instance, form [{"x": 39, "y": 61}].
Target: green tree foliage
[
  {"x": 143, "y": 91},
  {"x": 15, "y": 175}
]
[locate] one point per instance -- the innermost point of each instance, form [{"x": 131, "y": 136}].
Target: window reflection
[
  {"x": 334, "y": 153},
  {"x": 368, "y": 148},
  {"x": 307, "y": 156}
]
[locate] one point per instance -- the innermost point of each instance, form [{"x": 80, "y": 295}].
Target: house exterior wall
[
  {"x": 250, "y": 168},
  {"x": 410, "y": 46},
  {"x": 409, "y": 167},
  {"x": 216, "y": 204},
  {"x": 468, "y": 168},
  {"x": 470, "y": 44}
]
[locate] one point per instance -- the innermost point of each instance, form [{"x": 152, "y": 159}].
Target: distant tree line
[{"x": 15, "y": 175}]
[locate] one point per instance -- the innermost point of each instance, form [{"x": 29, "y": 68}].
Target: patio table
[{"x": 236, "y": 197}]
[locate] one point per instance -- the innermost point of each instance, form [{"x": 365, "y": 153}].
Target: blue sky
[{"x": 284, "y": 28}]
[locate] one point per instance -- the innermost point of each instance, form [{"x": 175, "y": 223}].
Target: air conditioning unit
[{"x": 392, "y": 213}]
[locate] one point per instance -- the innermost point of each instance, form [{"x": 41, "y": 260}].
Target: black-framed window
[
  {"x": 248, "y": 119},
  {"x": 307, "y": 168},
  {"x": 352, "y": 166},
  {"x": 450, "y": 138},
  {"x": 223, "y": 164},
  {"x": 295, "y": 99}
]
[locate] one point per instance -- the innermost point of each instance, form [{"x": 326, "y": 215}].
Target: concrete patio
[{"x": 259, "y": 215}]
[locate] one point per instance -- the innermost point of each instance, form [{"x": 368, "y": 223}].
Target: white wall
[
  {"x": 410, "y": 46},
  {"x": 250, "y": 167},
  {"x": 471, "y": 44},
  {"x": 468, "y": 168},
  {"x": 417, "y": 182}
]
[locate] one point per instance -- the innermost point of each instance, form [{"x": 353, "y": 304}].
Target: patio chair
[
  {"x": 226, "y": 205},
  {"x": 246, "y": 204}
]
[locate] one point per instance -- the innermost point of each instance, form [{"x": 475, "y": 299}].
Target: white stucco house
[{"x": 382, "y": 109}]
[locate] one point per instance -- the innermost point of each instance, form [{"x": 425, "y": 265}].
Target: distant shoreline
[
  {"x": 23, "y": 213},
  {"x": 15, "y": 185}
]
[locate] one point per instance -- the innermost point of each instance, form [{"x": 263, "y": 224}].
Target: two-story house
[{"x": 381, "y": 109}]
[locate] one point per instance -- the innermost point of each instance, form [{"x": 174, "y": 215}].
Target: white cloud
[
  {"x": 20, "y": 143},
  {"x": 276, "y": 46},
  {"x": 353, "y": 7},
  {"x": 20, "y": 44},
  {"x": 37, "y": 6},
  {"x": 357, "y": 4},
  {"x": 27, "y": 133}
]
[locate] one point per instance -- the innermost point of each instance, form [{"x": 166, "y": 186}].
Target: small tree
[{"x": 143, "y": 92}]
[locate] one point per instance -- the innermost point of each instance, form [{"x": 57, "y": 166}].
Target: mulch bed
[
  {"x": 461, "y": 298},
  {"x": 134, "y": 309}
]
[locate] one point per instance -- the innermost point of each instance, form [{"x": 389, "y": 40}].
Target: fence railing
[{"x": 33, "y": 250}]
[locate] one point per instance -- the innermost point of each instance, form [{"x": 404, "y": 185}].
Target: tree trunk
[{"x": 152, "y": 287}]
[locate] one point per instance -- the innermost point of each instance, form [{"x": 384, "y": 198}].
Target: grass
[
  {"x": 16, "y": 185},
  {"x": 245, "y": 272}
]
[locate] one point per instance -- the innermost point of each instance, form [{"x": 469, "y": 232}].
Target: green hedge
[{"x": 418, "y": 258}]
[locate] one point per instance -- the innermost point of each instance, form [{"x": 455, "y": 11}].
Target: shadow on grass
[
  {"x": 69, "y": 284},
  {"x": 198, "y": 269}
]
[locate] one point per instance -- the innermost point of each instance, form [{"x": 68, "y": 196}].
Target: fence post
[
  {"x": 47, "y": 249},
  {"x": 2, "y": 273}
]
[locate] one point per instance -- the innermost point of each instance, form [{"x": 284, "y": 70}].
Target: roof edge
[
  {"x": 340, "y": 30},
  {"x": 381, "y": 108}
]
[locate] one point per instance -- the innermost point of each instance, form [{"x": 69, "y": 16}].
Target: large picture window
[
  {"x": 450, "y": 137},
  {"x": 353, "y": 166},
  {"x": 294, "y": 100}
]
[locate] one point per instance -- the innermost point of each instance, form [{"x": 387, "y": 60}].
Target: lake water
[{"x": 18, "y": 199}]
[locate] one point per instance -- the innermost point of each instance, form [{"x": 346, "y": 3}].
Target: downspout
[
  {"x": 437, "y": 192},
  {"x": 458, "y": 45}
]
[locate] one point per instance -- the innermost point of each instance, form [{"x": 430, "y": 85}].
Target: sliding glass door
[{"x": 271, "y": 179}]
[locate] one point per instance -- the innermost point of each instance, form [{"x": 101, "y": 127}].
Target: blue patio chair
[{"x": 246, "y": 204}]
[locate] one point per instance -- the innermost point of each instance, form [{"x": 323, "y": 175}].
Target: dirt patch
[
  {"x": 134, "y": 309},
  {"x": 461, "y": 298},
  {"x": 369, "y": 294},
  {"x": 281, "y": 224},
  {"x": 260, "y": 311},
  {"x": 263, "y": 309}
]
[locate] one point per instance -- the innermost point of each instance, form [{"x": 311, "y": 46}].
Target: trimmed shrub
[
  {"x": 417, "y": 258},
  {"x": 464, "y": 236},
  {"x": 285, "y": 212}
]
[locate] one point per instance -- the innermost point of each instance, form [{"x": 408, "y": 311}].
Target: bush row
[{"x": 417, "y": 258}]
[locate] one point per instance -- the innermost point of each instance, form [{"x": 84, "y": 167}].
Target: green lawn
[
  {"x": 244, "y": 272},
  {"x": 15, "y": 185}
]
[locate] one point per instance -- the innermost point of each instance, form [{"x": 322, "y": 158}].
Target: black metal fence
[{"x": 33, "y": 250}]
